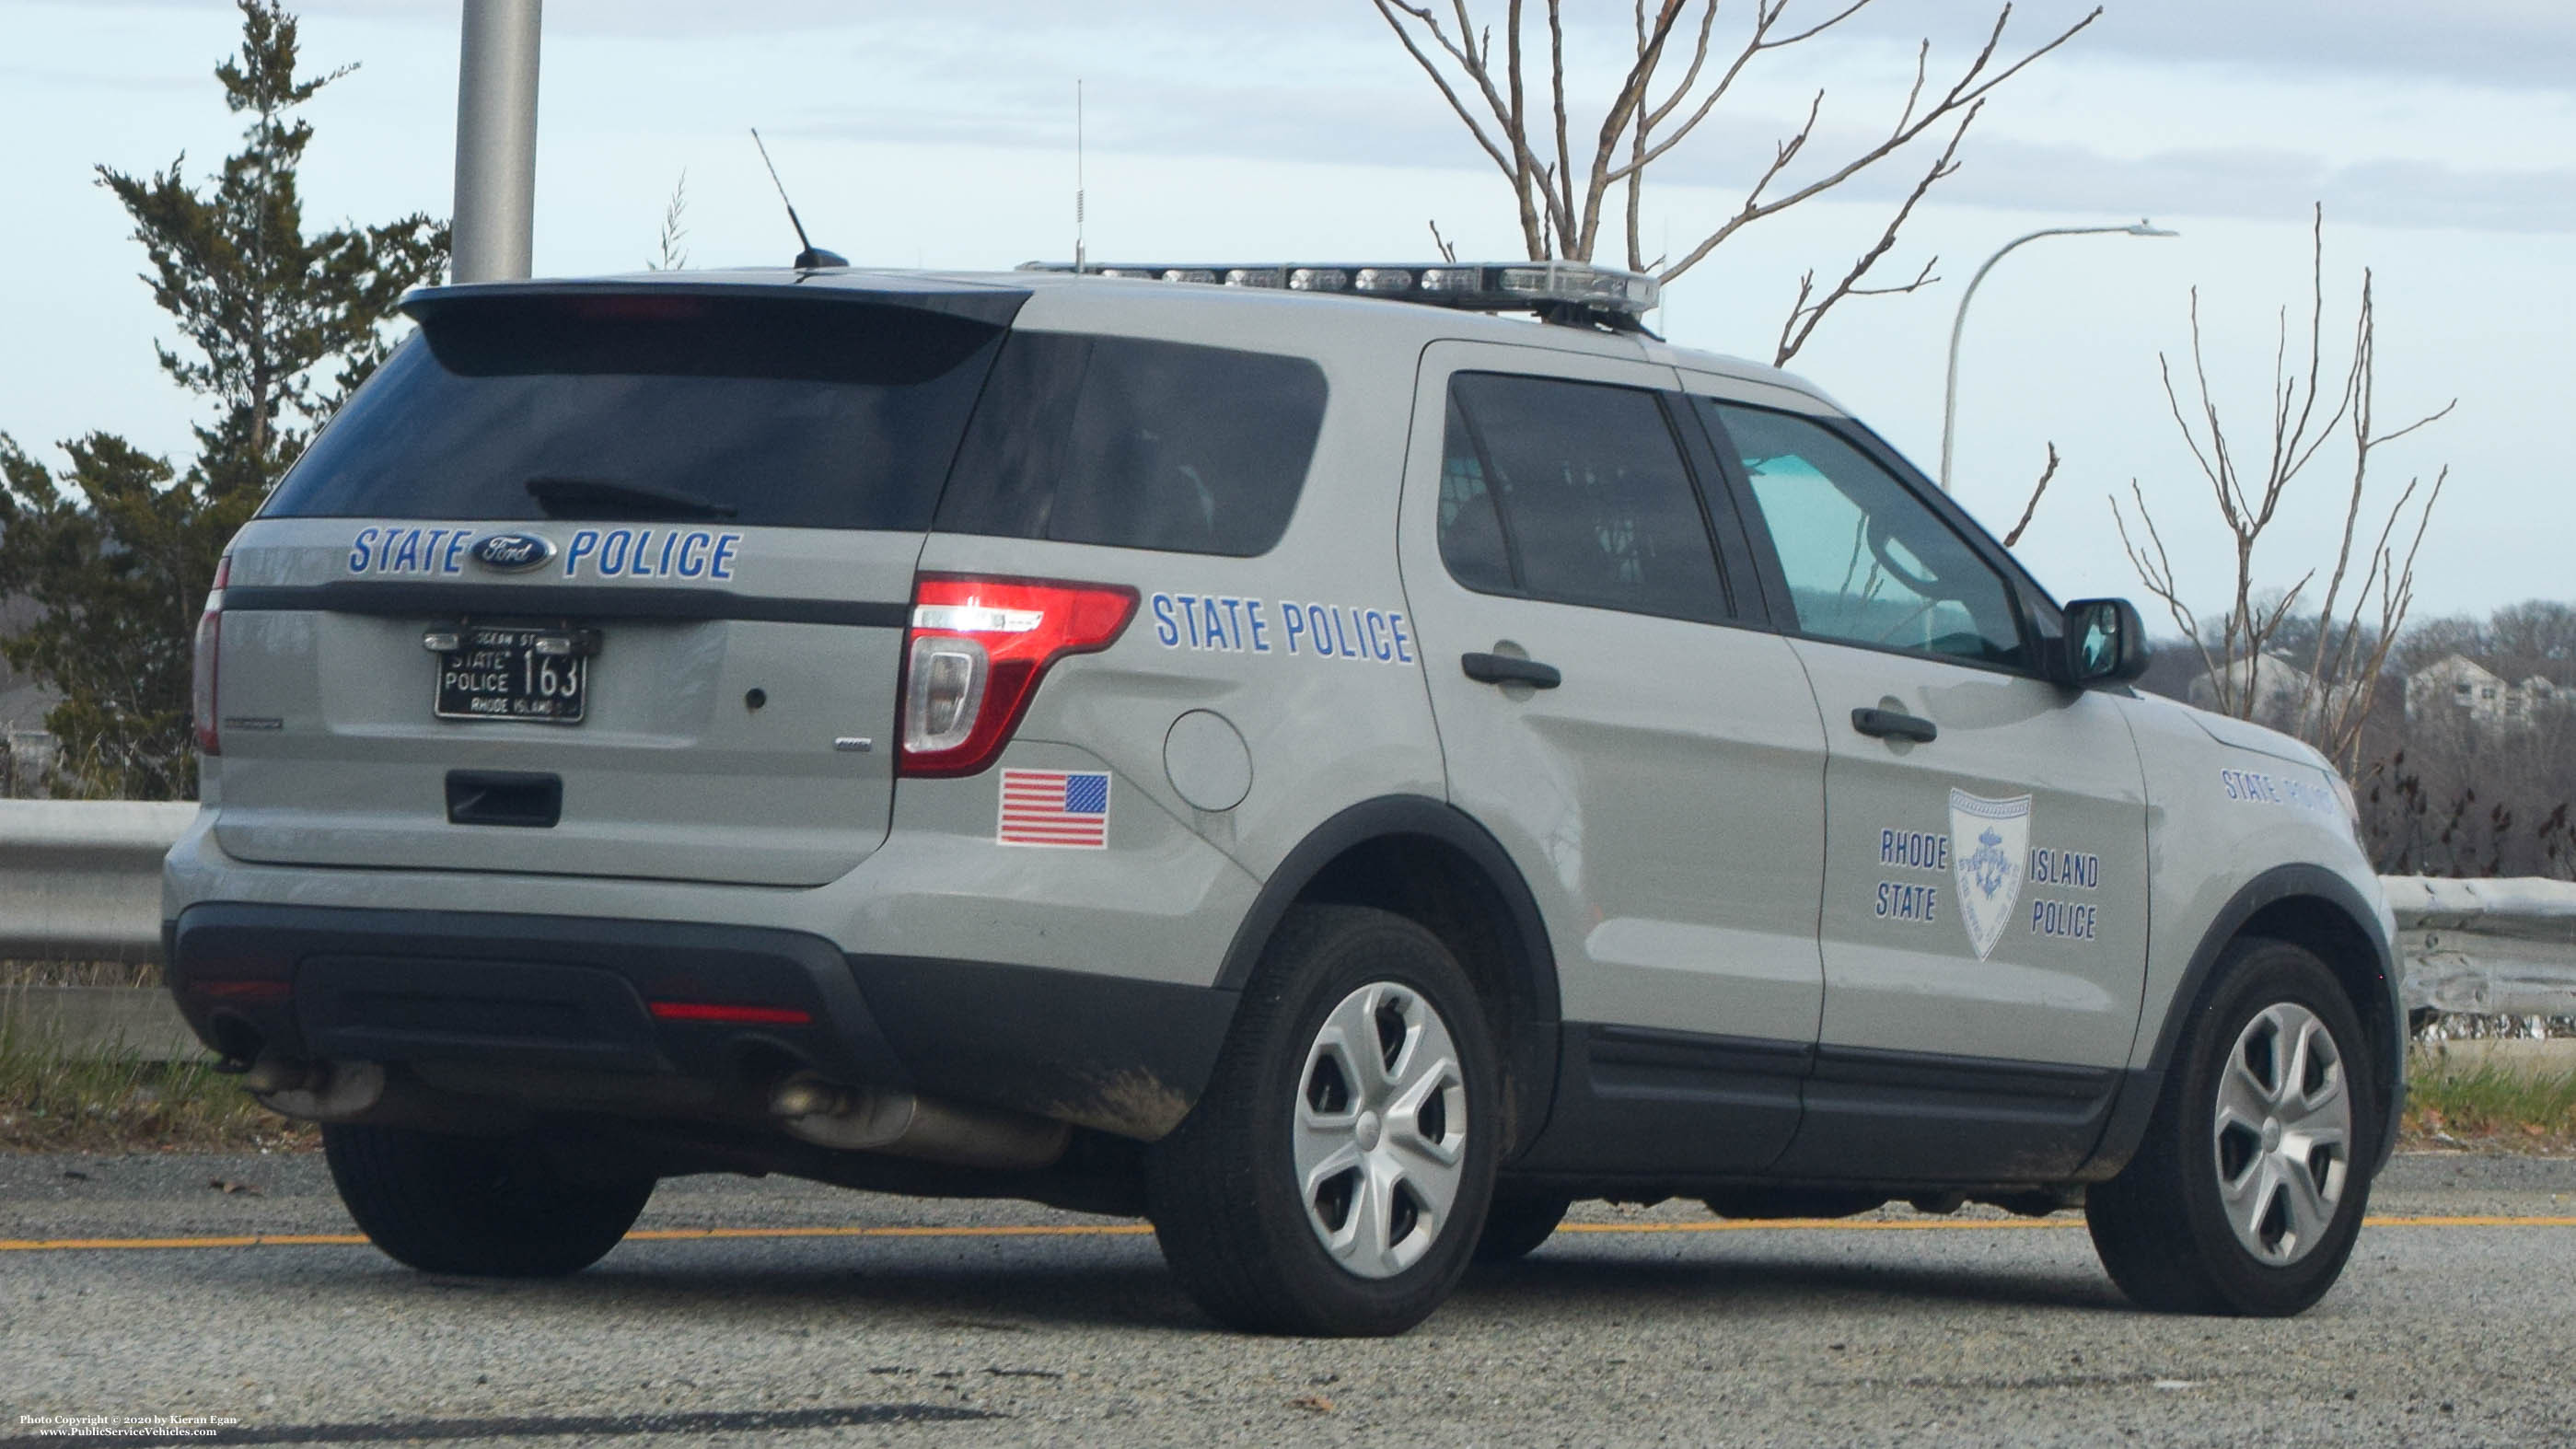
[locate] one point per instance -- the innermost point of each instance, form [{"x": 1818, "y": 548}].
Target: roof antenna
[
  {"x": 812, "y": 256},
  {"x": 1077, "y": 176}
]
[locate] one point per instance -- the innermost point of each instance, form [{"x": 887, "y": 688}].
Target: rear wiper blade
[{"x": 602, "y": 498}]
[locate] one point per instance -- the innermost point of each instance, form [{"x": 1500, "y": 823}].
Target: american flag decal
[{"x": 1055, "y": 807}]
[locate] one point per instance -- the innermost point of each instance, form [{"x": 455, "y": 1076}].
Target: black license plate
[{"x": 534, "y": 674}]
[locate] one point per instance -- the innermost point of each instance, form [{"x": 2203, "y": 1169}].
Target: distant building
[
  {"x": 2285, "y": 697},
  {"x": 2493, "y": 690}
]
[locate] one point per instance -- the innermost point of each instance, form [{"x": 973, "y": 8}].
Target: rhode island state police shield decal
[{"x": 1989, "y": 848}]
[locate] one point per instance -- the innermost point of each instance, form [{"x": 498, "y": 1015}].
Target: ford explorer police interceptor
[{"x": 1288, "y": 751}]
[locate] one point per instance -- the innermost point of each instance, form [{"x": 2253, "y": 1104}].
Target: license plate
[{"x": 536, "y": 675}]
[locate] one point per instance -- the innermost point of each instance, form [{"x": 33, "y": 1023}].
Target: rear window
[
  {"x": 1137, "y": 444},
  {"x": 787, "y": 412}
]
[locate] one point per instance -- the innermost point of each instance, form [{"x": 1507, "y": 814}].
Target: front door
[
  {"x": 1984, "y": 922},
  {"x": 1649, "y": 757}
]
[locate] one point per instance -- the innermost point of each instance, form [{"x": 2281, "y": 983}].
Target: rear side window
[
  {"x": 1137, "y": 444},
  {"x": 779, "y": 412},
  {"x": 1573, "y": 492}
]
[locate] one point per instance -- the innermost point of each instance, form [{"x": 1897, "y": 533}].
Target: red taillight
[
  {"x": 210, "y": 634},
  {"x": 736, "y": 1015},
  {"x": 975, "y": 654}
]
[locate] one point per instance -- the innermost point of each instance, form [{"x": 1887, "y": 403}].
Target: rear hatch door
[{"x": 601, "y": 579}]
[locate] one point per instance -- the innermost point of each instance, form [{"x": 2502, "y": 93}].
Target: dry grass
[
  {"x": 79, "y": 973},
  {"x": 55, "y": 1101},
  {"x": 2484, "y": 1104}
]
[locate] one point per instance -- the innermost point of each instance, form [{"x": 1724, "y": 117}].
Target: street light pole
[
  {"x": 1950, "y": 393},
  {"x": 496, "y": 140}
]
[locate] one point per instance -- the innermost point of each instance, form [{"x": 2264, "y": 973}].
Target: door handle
[
  {"x": 1504, "y": 669},
  {"x": 1895, "y": 724}
]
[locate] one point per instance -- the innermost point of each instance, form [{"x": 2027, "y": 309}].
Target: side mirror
[{"x": 2106, "y": 642}]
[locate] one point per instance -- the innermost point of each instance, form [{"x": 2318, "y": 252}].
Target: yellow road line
[
  {"x": 1130, "y": 1230},
  {"x": 1016, "y": 1230}
]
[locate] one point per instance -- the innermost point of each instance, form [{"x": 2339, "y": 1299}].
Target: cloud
[{"x": 1173, "y": 78}]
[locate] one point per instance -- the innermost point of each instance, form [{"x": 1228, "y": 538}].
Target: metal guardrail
[
  {"x": 80, "y": 880},
  {"x": 2493, "y": 947}
]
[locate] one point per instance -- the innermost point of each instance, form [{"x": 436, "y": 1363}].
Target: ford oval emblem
[{"x": 512, "y": 553}]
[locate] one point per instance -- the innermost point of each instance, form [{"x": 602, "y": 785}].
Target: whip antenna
[
  {"x": 1077, "y": 176},
  {"x": 812, "y": 256}
]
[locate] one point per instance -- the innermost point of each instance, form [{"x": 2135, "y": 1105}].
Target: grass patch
[
  {"x": 2473, "y": 1102},
  {"x": 54, "y": 1101},
  {"x": 79, "y": 973}
]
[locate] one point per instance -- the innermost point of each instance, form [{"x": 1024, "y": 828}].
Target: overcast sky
[{"x": 2441, "y": 140}]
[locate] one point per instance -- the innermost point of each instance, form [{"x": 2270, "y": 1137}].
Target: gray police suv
[{"x": 1287, "y": 751}]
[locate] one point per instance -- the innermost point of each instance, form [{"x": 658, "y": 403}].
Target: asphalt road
[{"x": 835, "y": 1318}]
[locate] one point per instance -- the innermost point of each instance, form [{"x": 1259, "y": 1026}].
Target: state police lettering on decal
[
  {"x": 1226, "y": 624},
  {"x": 2064, "y": 919},
  {"x": 2071, "y": 868},
  {"x": 1914, "y": 849},
  {"x": 391, "y": 550},
  {"x": 1898, "y": 901},
  {"x": 616, "y": 553},
  {"x": 652, "y": 553},
  {"x": 2254, "y": 787}
]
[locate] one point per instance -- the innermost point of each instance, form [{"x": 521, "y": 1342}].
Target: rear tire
[
  {"x": 476, "y": 1207},
  {"x": 1333, "y": 1177},
  {"x": 1517, "y": 1225},
  {"x": 2248, "y": 1192}
]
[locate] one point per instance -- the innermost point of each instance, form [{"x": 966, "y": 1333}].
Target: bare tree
[
  {"x": 1562, "y": 189},
  {"x": 2366, "y": 594},
  {"x": 2535, "y": 628},
  {"x": 2038, "y": 491}
]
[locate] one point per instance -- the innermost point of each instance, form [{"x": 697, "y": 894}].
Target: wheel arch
[
  {"x": 2309, "y": 906},
  {"x": 1430, "y": 862}
]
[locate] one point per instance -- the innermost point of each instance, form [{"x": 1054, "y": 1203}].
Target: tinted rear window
[
  {"x": 1574, "y": 492},
  {"x": 1137, "y": 444},
  {"x": 791, "y": 413}
]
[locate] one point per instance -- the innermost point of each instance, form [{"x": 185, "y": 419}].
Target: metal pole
[
  {"x": 1950, "y": 391},
  {"x": 496, "y": 140}
]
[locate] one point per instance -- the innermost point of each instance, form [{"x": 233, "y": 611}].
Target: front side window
[
  {"x": 1573, "y": 492},
  {"x": 1867, "y": 562}
]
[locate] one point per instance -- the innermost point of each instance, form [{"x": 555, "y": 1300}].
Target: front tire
[
  {"x": 1517, "y": 1225},
  {"x": 476, "y": 1207},
  {"x": 1333, "y": 1178},
  {"x": 2248, "y": 1192}
]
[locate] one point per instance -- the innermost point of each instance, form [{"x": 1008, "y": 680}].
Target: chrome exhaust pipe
[
  {"x": 315, "y": 1091},
  {"x": 904, "y": 1125}
]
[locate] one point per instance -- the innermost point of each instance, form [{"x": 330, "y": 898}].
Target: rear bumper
[{"x": 527, "y": 1000}]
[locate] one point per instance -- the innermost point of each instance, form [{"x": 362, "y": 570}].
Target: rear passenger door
[
  {"x": 1984, "y": 918},
  {"x": 1660, "y": 781}
]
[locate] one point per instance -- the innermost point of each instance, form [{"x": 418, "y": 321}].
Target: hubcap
[
  {"x": 1381, "y": 1129},
  {"x": 2283, "y": 1133}
]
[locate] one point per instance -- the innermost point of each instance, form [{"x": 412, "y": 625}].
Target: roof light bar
[{"x": 1575, "y": 291}]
